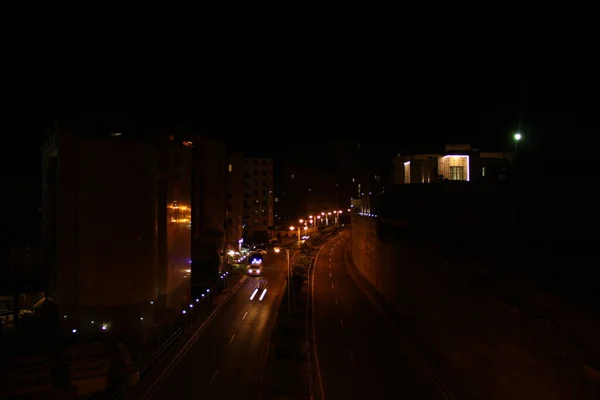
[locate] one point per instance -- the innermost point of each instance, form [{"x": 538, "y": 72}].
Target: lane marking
[
  {"x": 232, "y": 337},
  {"x": 329, "y": 265},
  {"x": 331, "y": 276},
  {"x": 336, "y": 302},
  {"x": 342, "y": 323},
  {"x": 352, "y": 358},
  {"x": 213, "y": 378},
  {"x": 311, "y": 310},
  {"x": 177, "y": 358},
  {"x": 329, "y": 259},
  {"x": 246, "y": 313},
  {"x": 332, "y": 285}
]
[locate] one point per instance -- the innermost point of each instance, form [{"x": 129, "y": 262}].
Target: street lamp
[
  {"x": 517, "y": 138},
  {"x": 291, "y": 229}
]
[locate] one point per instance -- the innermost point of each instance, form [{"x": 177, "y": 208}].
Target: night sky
[
  {"x": 286, "y": 120},
  {"x": 292, "y": 108}
]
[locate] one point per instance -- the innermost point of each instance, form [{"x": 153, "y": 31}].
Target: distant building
[
  {"x": 303, "y": 190},
  {"x": 235, "y": 200},
  {"x": 455, "y": 163},
  {"x": 257, "y": 219},
  {"x": 116, "y": 218}
]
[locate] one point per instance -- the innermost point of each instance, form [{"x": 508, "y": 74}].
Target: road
[
  {"x": 359, "y": 354},
  {"x": 226, "y": 361}
]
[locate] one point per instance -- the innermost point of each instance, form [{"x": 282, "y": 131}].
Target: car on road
[
  {"x": 255, "y": 264},
  {"x": 261, "y": 251}
]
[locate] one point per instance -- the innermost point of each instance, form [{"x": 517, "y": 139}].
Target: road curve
[{"x": 357, "y": 353}]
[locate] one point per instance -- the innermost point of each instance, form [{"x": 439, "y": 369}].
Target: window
[
  {"x": 482, "y": 171},
  {"x": 457, "y": 173},
  {"x": 230, "y": 168},
  {"x": 407, "y": 172}
]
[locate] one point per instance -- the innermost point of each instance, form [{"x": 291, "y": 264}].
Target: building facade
[
  {"x": 455, "y": 163},
  {"x": 304, "y": 190},
  {"x": 257, "y": 219},
  {"x": 116, "y": 219},
  {"x": 209, "y": 205},
  {"x": 235, "y": 200}
]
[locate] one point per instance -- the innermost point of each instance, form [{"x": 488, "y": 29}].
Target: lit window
[
  {"x": 230, "y": 168},
  {"x": 407, "y": 172}
]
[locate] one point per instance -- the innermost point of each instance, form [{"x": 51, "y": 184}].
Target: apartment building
[
  {"x": 209, "y": 209},
  {"x": 257, "y": 219},
  {"x": 235, "y": 200},
  {"x": 116, "y": 218}
]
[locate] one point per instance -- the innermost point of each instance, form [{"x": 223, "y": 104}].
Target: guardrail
[{"x": 188, "y": 319}]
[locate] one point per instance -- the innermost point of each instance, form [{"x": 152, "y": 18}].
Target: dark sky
[
  {"x": 289, "y": 113},
  {"x": 290, "y": 98}
]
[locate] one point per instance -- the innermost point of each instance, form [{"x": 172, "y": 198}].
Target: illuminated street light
[
  {"x": 517, "y": 138},
  {"x": 298, "y": 230}
]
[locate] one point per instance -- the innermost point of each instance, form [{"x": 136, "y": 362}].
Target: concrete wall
[{"x": 489, "y": 347}]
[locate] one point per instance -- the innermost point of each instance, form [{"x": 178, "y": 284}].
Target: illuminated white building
[{"x": 456, "y": 163}]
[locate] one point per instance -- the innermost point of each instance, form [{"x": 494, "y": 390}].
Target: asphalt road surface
[
  {"x": 226, "y": 361},
  {"x": 359, "y": 354}
]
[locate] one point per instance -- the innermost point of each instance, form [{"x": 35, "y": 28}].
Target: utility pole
[{"x": 289, "y": 282}]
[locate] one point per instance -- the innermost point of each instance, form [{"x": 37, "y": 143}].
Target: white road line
[
  {"x": 329, "y": 265},
  {"x": 213, "y": 378},
  {"x": 329, "y": 258},
  {"x": 336, "y": 302},
  {"x": 332, "y": 285},
  {"x": 246, "y": 313},
  {"x": 169, "y": 368},
  {"x": 331, "y": 276},
  {"x": 342, "y": 323},
  {"x": 352, "y": 357},
  {"x": 311, "y": 310},
  {"x": 232, "y": 337}
]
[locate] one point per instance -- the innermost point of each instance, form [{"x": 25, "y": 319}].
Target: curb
[{"x": 312, "y": 339}]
